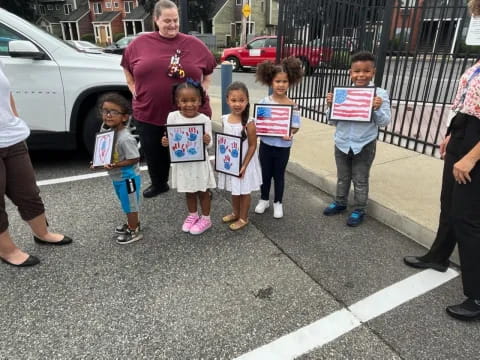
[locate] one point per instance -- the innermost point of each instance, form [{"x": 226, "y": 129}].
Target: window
[
  {"x": 57, "y": 7},
  {"x": 128, "y": 6},
  {"x": 115, "y": 4},
  {"x": 67, "y": 8},
  {"x": 239, "y": 2},
  {"x": 108, "y": 5},
  {"x": 7, "y": 34},
  {"x": 97, "y": 7},
  {"x": 42, "y": 10},
  {"x": 49, "y": 7},
  {"x": 272, "y": 42},
  {"x": 257, "y": 44}
]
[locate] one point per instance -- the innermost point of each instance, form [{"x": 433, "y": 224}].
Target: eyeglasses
[{"x": 111, "y": 112}]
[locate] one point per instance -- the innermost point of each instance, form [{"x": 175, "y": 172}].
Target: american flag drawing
[
  {"x": 352, "y": 104},
  {"x": 273, "y": 120}
]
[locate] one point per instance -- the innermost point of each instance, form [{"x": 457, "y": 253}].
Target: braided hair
[{"x": 240, "y": 86}]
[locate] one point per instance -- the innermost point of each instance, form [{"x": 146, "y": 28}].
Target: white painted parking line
[
  {"x": 329, "y": 328},
  {"x": 87, "y": 176}
]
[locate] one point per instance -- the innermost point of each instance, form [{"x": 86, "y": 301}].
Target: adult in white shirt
[{"x": 17, "y": 182}]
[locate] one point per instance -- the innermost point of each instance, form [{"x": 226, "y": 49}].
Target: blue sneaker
[
  {"x": 356, "y": 217},
  {"x": 334, "y": 209}
]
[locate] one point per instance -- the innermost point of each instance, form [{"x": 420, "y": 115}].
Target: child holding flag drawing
[
  {"x": 355, "y": 142},
  {"x": 274, "y": 152}
]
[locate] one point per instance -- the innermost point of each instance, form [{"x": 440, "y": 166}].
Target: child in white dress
[
  {"x": 193, "y": 178},
  {"x": 238, "y": 123}
]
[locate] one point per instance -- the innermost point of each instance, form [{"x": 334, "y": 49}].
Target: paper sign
[
  {"x": 473, "y": 34},
  {"x": 185, "y": 142},
  {"x": 273, "y": 120},
  {"x": 228, "y": 154},
  {"x": 102, "y": 154},
  {"x": 352, "y": 103}
]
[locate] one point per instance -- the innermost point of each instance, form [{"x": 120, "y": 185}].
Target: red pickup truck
[{"x": 265, "y": 48}]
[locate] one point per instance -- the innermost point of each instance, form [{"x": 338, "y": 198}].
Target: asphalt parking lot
[{"x": 223, "y": 294}]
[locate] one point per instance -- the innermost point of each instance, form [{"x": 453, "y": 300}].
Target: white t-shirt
[{"x": 12, "y": 129}]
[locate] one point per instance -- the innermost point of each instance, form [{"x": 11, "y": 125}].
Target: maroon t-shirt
[{"x": 148, "y": 59}]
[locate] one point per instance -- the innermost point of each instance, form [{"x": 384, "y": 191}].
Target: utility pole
[
  {"x": 183, "y": 16},
  {"x": 243, "y": 37}
]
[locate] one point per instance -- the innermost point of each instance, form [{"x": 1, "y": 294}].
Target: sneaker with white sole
[
  {"x": 277, "y": 210},
  {"x": 189, "y": 222},
  {"x": 202, "y": 225},
  {"x": 121, "y": 229},
  {"x": 262, "y": 206},
  {"x": 130, "y": 236}
]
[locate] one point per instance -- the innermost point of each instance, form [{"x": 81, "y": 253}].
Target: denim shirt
[
  {"x": 355, "y": 135},
  {"x": 278, "y": 141}
]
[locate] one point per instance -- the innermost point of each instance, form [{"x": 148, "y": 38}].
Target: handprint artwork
[
  {"x": 179, "y": 149},
  {"x": 226, "y": 162},
  {"x": 192, "y": 134},
  {"x": 186, "y": 142},
  {"x": 227, "y": 154},
  {"x": 234, "y": 150},
  {"x": 103, "y": 149}
]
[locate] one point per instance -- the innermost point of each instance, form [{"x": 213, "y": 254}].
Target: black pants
[
  {"x": 460, "y": 207},
  {"x": 273, "y": 160},
  {"x": 156, "y": 155}
]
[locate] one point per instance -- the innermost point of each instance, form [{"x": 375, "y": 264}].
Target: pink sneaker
[
  {"x": 189, "y": 222},
  {"x": 201, "y": 226}
]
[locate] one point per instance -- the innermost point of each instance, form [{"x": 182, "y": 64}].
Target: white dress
[
  {"x": 252, "y": 179},
  {"x": 193, "y": 176}
]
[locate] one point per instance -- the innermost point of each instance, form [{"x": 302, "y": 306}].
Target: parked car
[
  {"x": 119, "y": 46},
  {"x": 56, "y": 87},
  {"x": 265, "y": 48},
  {"x": 85, "y": 46}
]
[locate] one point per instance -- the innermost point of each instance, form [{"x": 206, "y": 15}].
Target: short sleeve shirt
[
  {"x": 148, "y": 59},
  {"x": 12, "y": 129},
  {"x": 125, "y": 149}
]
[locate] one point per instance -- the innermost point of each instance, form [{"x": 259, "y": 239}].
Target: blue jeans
[{"x": 356, "y": 168}]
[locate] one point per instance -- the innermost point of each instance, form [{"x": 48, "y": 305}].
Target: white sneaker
[
  {"x": 262, "y": 206},
  {"x": 277, "y": 210}
]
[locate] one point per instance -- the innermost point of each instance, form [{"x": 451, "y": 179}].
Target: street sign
[{"x": 246, "y": 10}]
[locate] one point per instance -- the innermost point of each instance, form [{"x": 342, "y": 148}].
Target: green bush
[
  {"x": 462, "y": 49},
  {"x": 217, "y": 54},
  {"x": 88, "y": 37},
  {"x": 118, "y": 36},
  {"x": 341, "y": 59}
]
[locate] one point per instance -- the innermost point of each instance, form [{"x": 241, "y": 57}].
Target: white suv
[{"x": 55, "y": 86}]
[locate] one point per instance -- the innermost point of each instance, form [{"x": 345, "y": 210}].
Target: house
[
  {"x": 112, "y": 19},
  {"x": 66, "y": 19},
  {"x": 226, "y": 20}
]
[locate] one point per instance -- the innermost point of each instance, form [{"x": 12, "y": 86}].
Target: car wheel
[
  {"x": 235, "y": 62},
  {"x": 91, "y": 126}
]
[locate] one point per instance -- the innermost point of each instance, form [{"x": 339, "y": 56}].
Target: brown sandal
[
  {"x": 237, "y": 225},
  {"x": 229, "y": 218}
]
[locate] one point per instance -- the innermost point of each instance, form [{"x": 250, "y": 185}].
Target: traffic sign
[{"x": 246, "y": 10}]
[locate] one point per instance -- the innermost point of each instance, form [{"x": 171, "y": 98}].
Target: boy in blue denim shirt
[{"x": 355, "y": 143}]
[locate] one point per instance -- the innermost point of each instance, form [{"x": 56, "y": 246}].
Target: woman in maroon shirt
[{"x": 153, "y": 63}]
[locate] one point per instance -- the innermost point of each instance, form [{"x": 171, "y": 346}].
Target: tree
[
  {"x": 198, "y": 10},
  {"x": 20, "y": 7}
]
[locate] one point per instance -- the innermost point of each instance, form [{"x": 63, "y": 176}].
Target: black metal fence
[{"x": 420, "y": 50}]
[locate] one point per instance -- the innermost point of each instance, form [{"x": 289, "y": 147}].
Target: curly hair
[
  {"x": 474, "y": 6},
  {"x": 188, "y": 84},
  {"x": 117, "y": 99},
  {"x": 291, "y": 65}
]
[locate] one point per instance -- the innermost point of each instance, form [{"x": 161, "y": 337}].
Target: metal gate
[{"x": 420, "y": 50}]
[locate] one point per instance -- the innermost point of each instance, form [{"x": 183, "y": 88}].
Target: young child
[
  {"x": 355, "y": 143},
  {"x": 193, "y": 178},
  {"x": 239, "y": 123},
  {"x": 124, "y": 169},
  {"x": 275, "y": 151}
]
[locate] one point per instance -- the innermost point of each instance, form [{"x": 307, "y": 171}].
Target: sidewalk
[{"x": 404, "y": 185}]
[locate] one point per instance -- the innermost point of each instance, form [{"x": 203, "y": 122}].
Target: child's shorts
[{"x": 128, "y": 191}]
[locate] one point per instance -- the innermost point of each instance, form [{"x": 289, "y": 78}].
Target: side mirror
[
  {"x": 24, "y": 49},
  {"x": 248, "y": 46}
]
